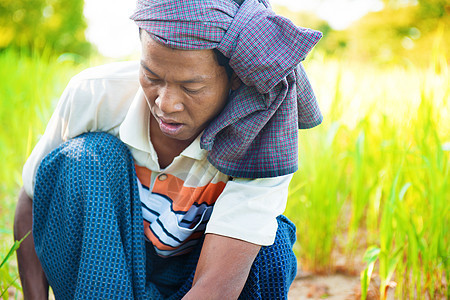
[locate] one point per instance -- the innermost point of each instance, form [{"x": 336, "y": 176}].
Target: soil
[
  {"x": 324, "y": 287},
  {"x": 308, "y": 286},
  {"x": 332, "y": 287}
]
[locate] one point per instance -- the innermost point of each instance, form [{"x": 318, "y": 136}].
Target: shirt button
[{"x": 162, "y": 177}]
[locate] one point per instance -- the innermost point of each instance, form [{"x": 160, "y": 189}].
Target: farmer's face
[{"x": 185, "y": 89}]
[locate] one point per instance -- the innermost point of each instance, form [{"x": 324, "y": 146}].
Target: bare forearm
[
  {"x": 223, "y": 268},
  {"x": 34, "y": 282}
]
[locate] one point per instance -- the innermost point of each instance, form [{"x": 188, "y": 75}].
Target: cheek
[
  {"x": 211, "y": 107},
  {"x": 144, "y": 83},
  {"x": 149, "y": 90},
  {"x": 221, "y": 95},
  {"x": 221, "y": 99}
]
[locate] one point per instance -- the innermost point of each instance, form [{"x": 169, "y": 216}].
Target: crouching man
[{"x": 167, "y": 178}]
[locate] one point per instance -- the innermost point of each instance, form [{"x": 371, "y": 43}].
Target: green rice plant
[
  {"x": 413, "y": 227},
  {"x": 423, "y": 217},
  {"x": 30, "y": 85},
  {"x": 318, "y": 199},
  {"x": 376, "y": 172},
  {"x": 370, "y": 257},
  {"x": 390, "y": 247},
  {"x": 362, "y": 184},
  {"x": 6, "y": 279}
]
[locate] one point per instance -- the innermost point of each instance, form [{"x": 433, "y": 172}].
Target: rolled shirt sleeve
[{"x": 247, "y": 209}]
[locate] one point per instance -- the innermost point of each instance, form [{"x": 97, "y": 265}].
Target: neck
[{"x": 167, "y": 148}]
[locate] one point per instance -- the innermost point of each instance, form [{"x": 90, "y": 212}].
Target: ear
[{"x": 235, "y": 82}]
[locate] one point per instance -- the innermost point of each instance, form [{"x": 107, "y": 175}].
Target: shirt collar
[
  {"x": 194, "y": 151},
  {"x": 134, "y": 128}
]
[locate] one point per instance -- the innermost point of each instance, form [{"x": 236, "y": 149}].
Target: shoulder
[
  {"x": 112, "y": 82},
  {"x": 128, "y": 70}
]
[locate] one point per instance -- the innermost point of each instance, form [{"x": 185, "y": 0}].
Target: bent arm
[
  {"x": 223, "y": 268},
  {"x": 244, "y": 217},
  {"x": 34, "y": 282}
]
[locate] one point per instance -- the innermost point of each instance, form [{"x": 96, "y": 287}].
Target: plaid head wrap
[{"x": 256, "y": 135}]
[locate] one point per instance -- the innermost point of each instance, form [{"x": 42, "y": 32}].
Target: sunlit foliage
[
  {"x": 404, "y": 32},
  {"x": 37, "y": 24}
]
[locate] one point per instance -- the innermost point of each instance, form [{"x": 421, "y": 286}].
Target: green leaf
[
  {"x": 14, "y": 247},
  {"x": 9, "y": 285},
  {"x": 393, "y": 261},
  {"x": 371, "y": 254},
  {"x": 403, "y": 190},
  {"x": 370, "y": 257}
]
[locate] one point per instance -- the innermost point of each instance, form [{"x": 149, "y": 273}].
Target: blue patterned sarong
[{"x": 88, "y": 232}]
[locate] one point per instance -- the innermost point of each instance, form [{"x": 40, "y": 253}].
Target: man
[{"x": 200, "y": 150}]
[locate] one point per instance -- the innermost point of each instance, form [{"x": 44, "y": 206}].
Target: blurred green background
[{"x": 372, "y": 193}]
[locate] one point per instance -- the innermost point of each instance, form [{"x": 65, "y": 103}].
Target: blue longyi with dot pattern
[{"x": 88, "y": 232}]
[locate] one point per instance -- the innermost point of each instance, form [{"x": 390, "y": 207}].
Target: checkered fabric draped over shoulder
[{"x": 256, "y": 135}]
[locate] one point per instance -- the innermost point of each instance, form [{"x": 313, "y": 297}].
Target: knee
[
  {"x": 95, "y": 155},
  {"x": 88, "y": 150},
  {"x": 97, "y": 146},
  {"x": 72, "y": 178},
  {"x": 286, "y": 232},
  {"x": 275, "y": 267},
  {"x": 279, "y": 259}
]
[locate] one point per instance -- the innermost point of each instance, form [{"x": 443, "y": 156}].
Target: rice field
[
  {"x": 375, "y": 176},
  {"x": 372, "y": 192},
  {"x": 30, "y": 85}
]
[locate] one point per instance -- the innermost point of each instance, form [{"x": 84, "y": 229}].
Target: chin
[{"x": 182, "y": 137}]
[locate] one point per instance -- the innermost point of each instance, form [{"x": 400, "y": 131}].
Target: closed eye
[
  {"x": 192, "y": 91},
  {"x": 153, "y": 80}
]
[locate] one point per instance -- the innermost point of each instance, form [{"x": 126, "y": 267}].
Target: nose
[{"x": 168, "y": 101}]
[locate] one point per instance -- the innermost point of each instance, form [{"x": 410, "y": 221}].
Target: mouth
[{"x": 168, "y": 126}]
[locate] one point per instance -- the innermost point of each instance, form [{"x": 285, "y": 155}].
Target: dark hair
[{"x": 222, "y": 60}]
